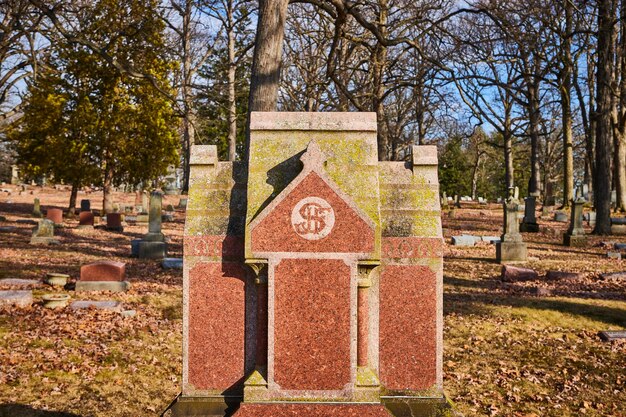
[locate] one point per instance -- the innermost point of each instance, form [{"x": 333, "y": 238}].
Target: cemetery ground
[{"x": 528, "y": 348}]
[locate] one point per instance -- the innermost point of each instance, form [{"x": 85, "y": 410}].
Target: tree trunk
[
  {"x": 232, "y": 99},
  {"x": 534, "y": 115},
  {"x": 566, "y": 108},
  {"x": 602, "y": 174},
  {"x": 73, "y": 195},
  {"x": 378, "y": 67},
  {"x": 189, "y": 129},
  {"x": 268, "y": 48},
  {"x": 107, "y": 200}
]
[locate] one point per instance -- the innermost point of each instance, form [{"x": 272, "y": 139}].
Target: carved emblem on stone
[{"x": 313, "y": 218}]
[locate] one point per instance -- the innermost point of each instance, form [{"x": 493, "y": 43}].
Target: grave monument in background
[{"x": 312, "y": 276}]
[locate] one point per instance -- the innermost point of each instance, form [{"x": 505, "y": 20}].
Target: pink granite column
[
  {"x": 362, "y": 325},
  {"x": 261, "y": 319}
]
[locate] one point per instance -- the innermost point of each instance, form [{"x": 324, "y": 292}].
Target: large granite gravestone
[
  {"x": 529, "y": 222},
  {"x": 313, "y": 276}
]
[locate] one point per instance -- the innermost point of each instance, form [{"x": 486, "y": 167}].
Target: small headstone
[
  {"x": 167, "y": 217},
  {"x": 575, "y": 235},
  {"x": 85, "y": 205},
  {"x": 620, "y": 246},
  {"x": 614, "y": 255},
  {"x": 612, "y": 335},
  {"x": 561, "y": 217},
  {"x": 172, "y": 263},
  {"x": 85, "y": 219},
  {"x": 182, "y": 203},
  {"x": 169, "y": 208},
  {"x": 559, "y": 275},
  {"x": 7, "y": 229},
  {"x": 618, "y": 229},
  {"x": 3, "y": 219},
  {"x": 18, "y": 298},
  {"x": 114, "y": 222},
  {"x": 128, "y": 313},
  {"x": 103, "y": 276},
  {"x": 43, "y": 233},
  {"x": 55, "y": 215},
  {"x": 98, "y": 305},
  {"x": 142, "y": 218},
  {"x": 37, "y": 209},
  {"x": 491, "y": 239},
  {"x": 511, "y": 273},
  {"x": 26, "y": 221},
  {"x": 134, "y": 247}
]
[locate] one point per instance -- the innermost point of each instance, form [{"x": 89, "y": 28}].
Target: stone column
[
  {"x": 255, "y": 386},
  {"x": 145, "y": 204},
  {"x": 529, "y": 223},
  {"x": 154, "y": 225},
  {"x": 367, "y": 382},
  {"x": 511, "y": 248},
  {"x": 575, "y": 235},
  {"x": 37, "y": 209}
]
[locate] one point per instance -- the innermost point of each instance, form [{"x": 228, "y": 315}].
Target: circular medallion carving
[{"x": 313, "y": 218}]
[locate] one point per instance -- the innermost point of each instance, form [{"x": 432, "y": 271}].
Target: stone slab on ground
[
  {"x": 7, "y": 229},
  {"x": 110, "y": 305},
  {"x": 559, "y": 275},
  {"x": 19, "y": 298},
  {"x": 511, "y": 273},
  {"x": 614, "y": 255},
  {"x": 113, "y": 286},
  {"x": 172, "y": 263},
  {"x": 26, "y": 221},
  {"x": 19, "y": 282},
  {"x": 618, "y": 229},
  {"x": 610, "y": 276},
  {"x": 312, "y": 410},
  {"x": 611, "y": 335},
  {"x": 542, "y": 291},
  {"x": 463, "y": 240},
  {"x": 491, "y": 239},
  {"x": 620, "y": 246},
  {"x": 618, "y": 220}
]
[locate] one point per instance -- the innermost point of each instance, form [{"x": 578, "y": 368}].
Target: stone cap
[
  {"x": 203, "y": 155},
  {"x": 335, "y": 121},
  {"x": 424, "y": 154}
]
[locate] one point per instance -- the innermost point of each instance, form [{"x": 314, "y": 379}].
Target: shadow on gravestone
[
  {"x": 281, "y": 176},
  {"x": 22, "y": 410}
]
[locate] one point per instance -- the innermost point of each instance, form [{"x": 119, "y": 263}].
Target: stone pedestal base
[
  {"x": 44, "y": 241},
  {"x": 529, "y": 227},
  {"x": 389, "y": 406},
  {"x": 114, "y": 286},
  {"x": 511, "y": 252},
  {"x": 576, "y": 241},
  {"x": 152, "y": 250}
]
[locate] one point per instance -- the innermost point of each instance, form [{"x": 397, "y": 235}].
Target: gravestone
[
  {"x": 55, "y": 215},
  {"x": 17, "y": 298},
  {"x": 511, "y": 248},
  {"x": 43, "y": 233},
  {"x": 114, "y": 222},
  {"x": 153, "y": 245},
  {"x": 444, "y": 201},
  {"x": 85, "y": 205},
  {"x": 575, "y": 235},
  {"x": 37, "y": 209},
  {"x": 15, "y": 175},
  {"x": 85, "y": 220},
  {"x": 103, "y": 276},
  {"x": 529, "y": 222},
  {"x": 312, "y": 279},
  {"x": 182, "y": 203},
  {"x": 145, "y": 202}
]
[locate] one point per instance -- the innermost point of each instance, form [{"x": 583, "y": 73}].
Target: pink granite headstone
[
  {"x": 85, "y": 218},
  {"x": 103, "y": 271},
  {"x": 114, "y": 222},
  {"x": 313, "y": 275},
  {"x": 55, "y": 215}
]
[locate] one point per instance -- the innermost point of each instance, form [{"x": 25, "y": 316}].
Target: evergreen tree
[{"x": 86, "y": 122}]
